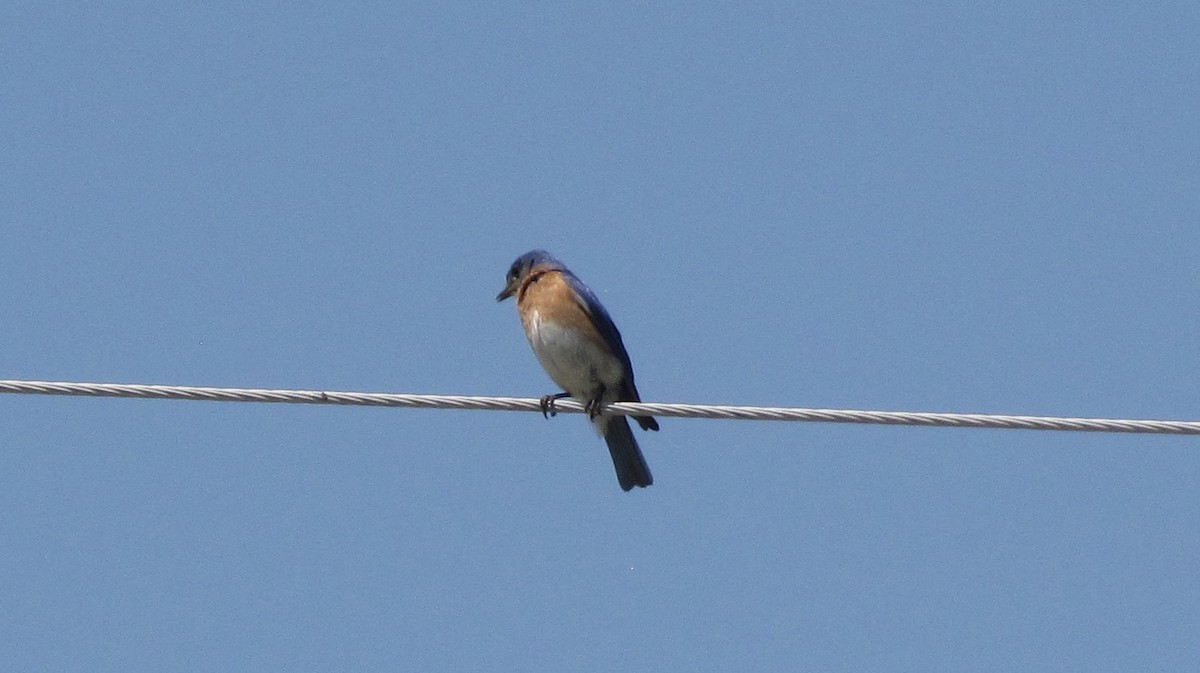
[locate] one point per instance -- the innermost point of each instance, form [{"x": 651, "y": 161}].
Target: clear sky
[{"x": 971, "y": 207}]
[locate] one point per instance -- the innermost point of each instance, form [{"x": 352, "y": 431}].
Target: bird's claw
[
  {"x": 547, "y": 403},
  {"x": 594, "y": 408}
]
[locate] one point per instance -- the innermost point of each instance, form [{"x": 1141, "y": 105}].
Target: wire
[{"x": 619, "y": 408}]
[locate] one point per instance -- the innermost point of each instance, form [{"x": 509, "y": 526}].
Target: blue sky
[{"x": 953, "y": 207}]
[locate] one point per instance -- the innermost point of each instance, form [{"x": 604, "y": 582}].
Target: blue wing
[
  {"x": 602, "y": 321},
  {"x": 608, "y": 330}
]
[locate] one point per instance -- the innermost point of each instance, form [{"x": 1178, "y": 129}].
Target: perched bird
[{"x": 580, "y": 348}]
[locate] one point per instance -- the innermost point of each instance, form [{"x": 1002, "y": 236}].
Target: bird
[{"x": 578, "y": 345}]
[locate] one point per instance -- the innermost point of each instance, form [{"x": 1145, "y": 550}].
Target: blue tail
[{"x": 627, "y": 458}]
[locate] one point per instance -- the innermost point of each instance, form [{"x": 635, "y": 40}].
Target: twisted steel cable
[{"x": 624, "y": 408}]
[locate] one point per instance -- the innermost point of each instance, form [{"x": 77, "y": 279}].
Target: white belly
[{"x": 575, "y": 364}]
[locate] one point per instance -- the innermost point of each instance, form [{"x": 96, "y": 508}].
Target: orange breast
[{"x": 553, "y": 300}]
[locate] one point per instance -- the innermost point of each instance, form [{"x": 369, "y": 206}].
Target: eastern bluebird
[{"x": 580, "y": 348}]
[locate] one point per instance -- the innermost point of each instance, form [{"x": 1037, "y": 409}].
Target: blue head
[{"x": 539, "y": 260}]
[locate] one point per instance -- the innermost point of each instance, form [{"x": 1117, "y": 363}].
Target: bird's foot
[
  {"x": 547, "y": 404},
  {"x": 594, "y": 408}
]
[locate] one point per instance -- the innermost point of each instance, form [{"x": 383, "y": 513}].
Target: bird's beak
[{"x": 508, "y": 291}]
